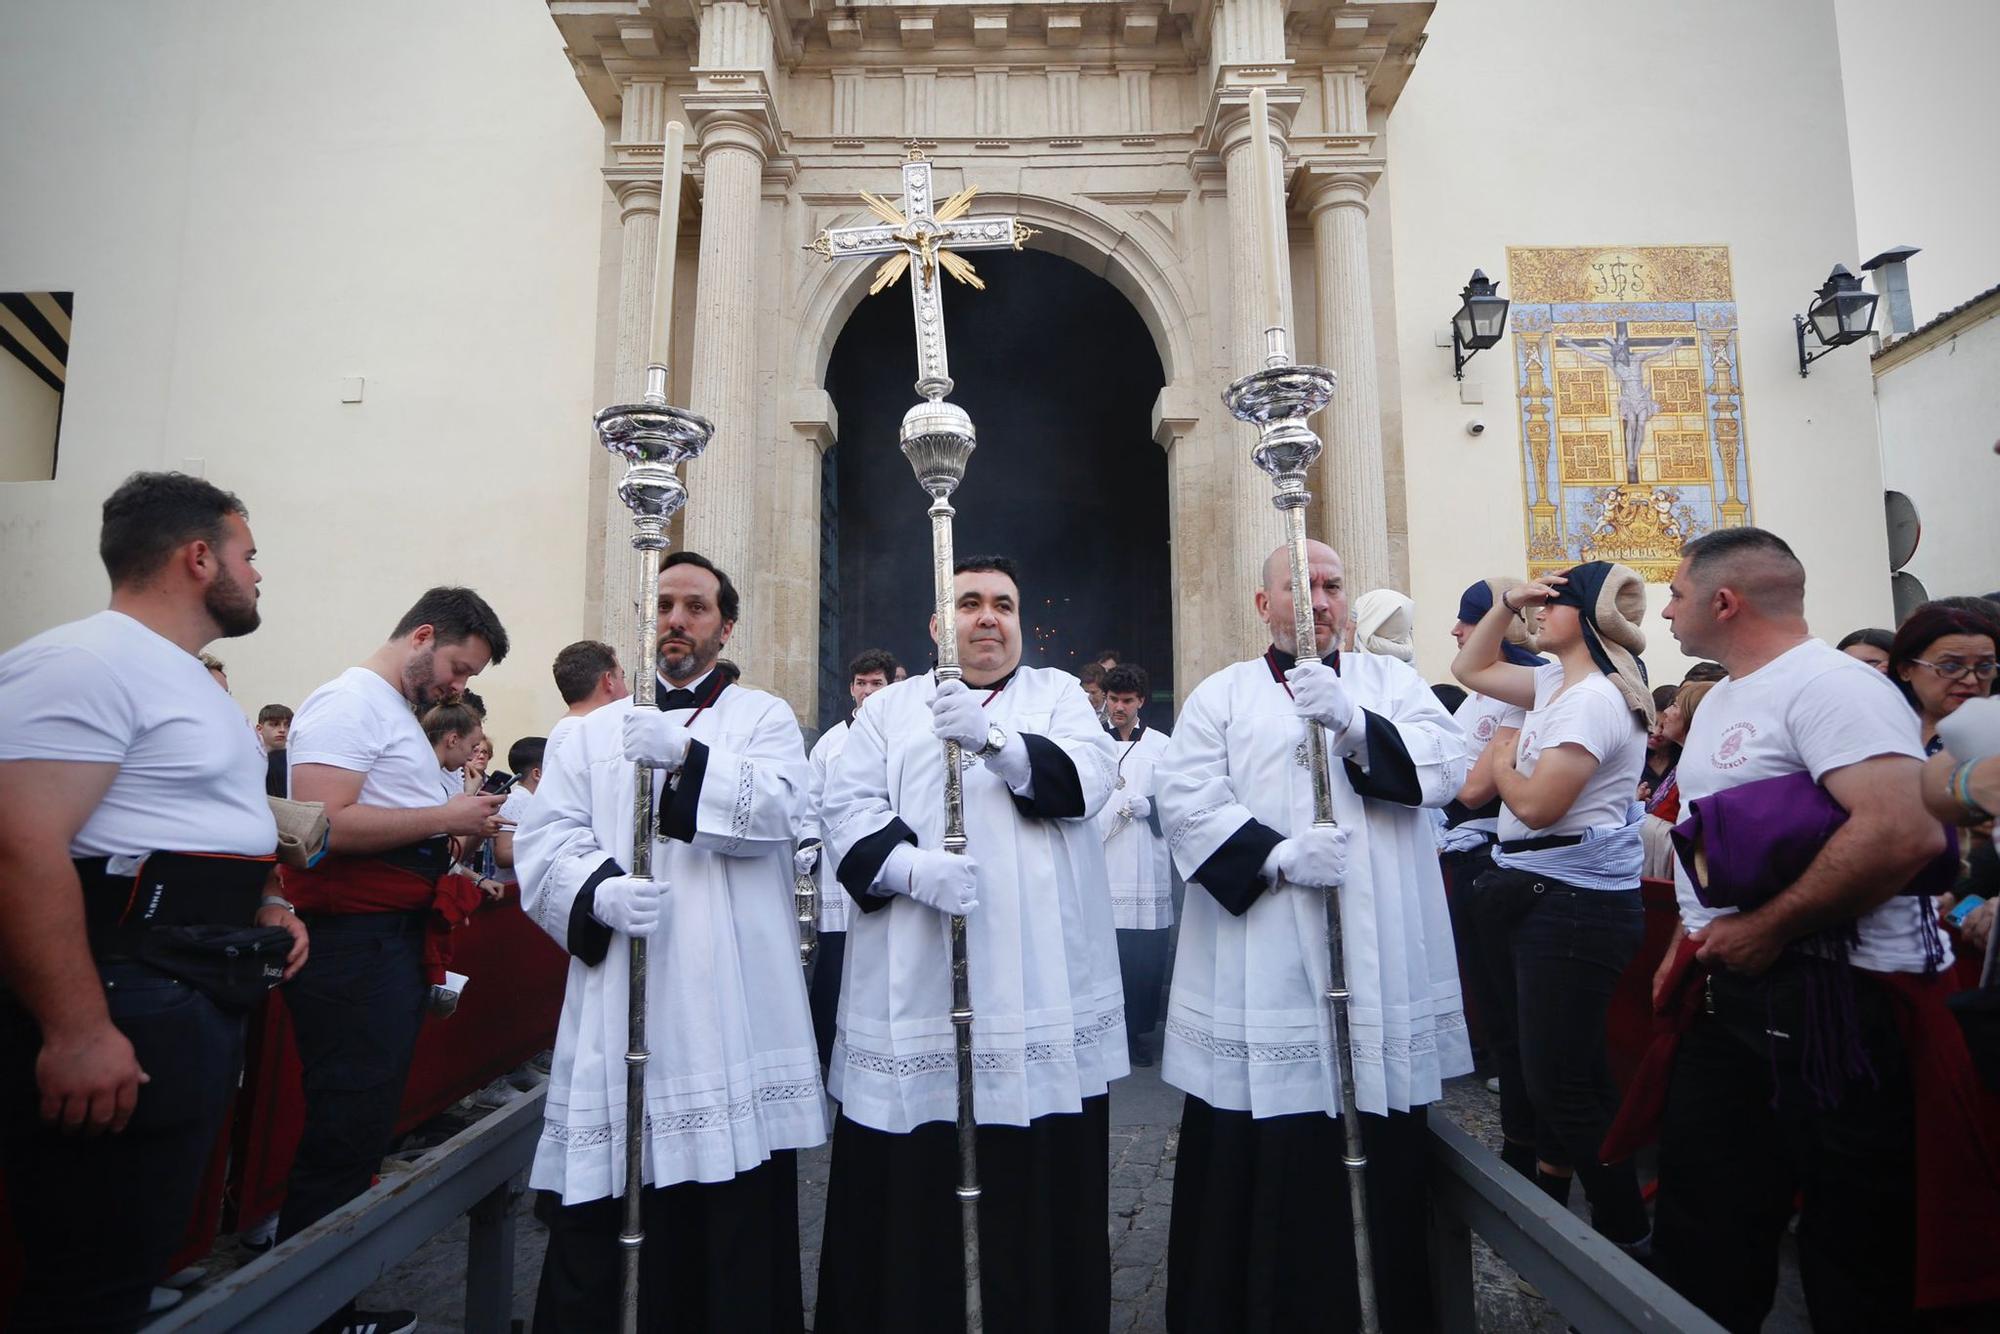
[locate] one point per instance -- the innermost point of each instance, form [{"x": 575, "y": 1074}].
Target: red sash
[{"x": 369, "y": 885}]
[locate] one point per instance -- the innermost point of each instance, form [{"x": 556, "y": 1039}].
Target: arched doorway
[{"x": 1059, "y": 374}]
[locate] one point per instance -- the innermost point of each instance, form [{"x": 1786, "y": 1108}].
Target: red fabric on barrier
[
  {"x": 1628, "y": 1025},
  {"x": 507, "y": 1014}
]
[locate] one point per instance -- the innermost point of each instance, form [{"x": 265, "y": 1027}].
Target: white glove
[
  {"x": 1972, "y": 732},
  {"x": 628, "y": 904},
  {"x": 956, "y": 716},
  {"x": 653, "y": 738},
  {"x": 1137, "y": 808},
  {"x": 1319, "y": 696},
  {"x": 933, "y": 877},
  {"x": 805, "y": 859},
  {"x": 1316, "y": 859}
]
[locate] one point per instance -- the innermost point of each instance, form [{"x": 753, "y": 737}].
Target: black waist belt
[
  {"x": 429, "y": 859},
  {"x": 1543, "y": 843},
  {"x": 169, "y": 889}
]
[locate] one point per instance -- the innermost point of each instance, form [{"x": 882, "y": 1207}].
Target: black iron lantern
[
  {"x": 1841, "y": 313},
  {"x": 1481, "y": 319}
]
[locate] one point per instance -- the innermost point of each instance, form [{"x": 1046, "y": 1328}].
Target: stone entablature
[{"x": 1115, "y": 129}]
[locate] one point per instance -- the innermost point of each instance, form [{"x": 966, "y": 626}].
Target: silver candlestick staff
[
  {"x": 937, "y": 439},
  {"x": 654, "y": 439},
  {"x": 1277, "y": 401}
]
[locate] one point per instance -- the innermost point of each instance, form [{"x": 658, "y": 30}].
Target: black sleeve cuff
[
  {"x": 863, "y": 863},
  {"x": 1233, "y": 873},
  {"x": 683, "y": 800},
  {"x": 1055, "y": 791},
  {"x": 1391, "y": 774},
  {"x": 588, "y": 938}
]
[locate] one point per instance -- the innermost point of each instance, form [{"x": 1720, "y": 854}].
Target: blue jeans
[
  {"x": 99, "y": 1218},
  {"x": 1568, "y": 947}
]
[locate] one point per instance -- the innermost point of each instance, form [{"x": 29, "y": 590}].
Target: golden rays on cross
[{"x": 928, "y": 244}]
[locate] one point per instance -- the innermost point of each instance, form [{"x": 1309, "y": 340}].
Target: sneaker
[
  {"x": 497, "y": 1094},
  {"x": 1493, "y": 1084},
  {"x": 163, "y": 1299},
  {"x": 373, "y": 1322},
  {"x": 259, "y": 1236},
  {"x": 526, "y": 1077},
  {"x": 185, "y": 1279}
]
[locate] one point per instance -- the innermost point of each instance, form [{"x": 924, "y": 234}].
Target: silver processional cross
[{"x": 918, "y": 232}]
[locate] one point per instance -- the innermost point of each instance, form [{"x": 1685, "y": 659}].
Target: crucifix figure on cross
[{"x": 917, "y": 232}]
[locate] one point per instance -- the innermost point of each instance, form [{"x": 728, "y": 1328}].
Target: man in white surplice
[
  {"x": 732, "y": 1086},
  {"x": 1260, "y": 1238},
  {"x": 1048, "y": 1033}
]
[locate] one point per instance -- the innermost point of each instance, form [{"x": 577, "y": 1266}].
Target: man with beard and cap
[
  {"x": 1562, "y": 896},
  {"x": 122, "y": 762},
  {"x": 1048, "y": 1030},
  {"x": 357, "y": 747},
  {"x": 1472, "y": 824},
  {"x": 1261, "y": 1237},
  {"x": 732, "y": 1085}
]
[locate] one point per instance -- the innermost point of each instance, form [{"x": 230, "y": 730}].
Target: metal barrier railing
[
  {"x": 1596, "y": 1286},
  {"x": 298, "y": 1284}
]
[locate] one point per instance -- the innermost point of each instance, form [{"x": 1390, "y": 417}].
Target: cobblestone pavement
[{"x": 1145, "y": 1117}]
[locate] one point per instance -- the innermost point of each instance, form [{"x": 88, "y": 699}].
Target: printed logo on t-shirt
[
  {"x": 1729, "y": 755},
  {"x": 1487, "y": 725}
]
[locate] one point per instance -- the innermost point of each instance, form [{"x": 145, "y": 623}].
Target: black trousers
[
  {"x": 357, "y": 1007},
  {"x": 719, "y": 1258},
  {"x": 99, "y": 1219},
  {"x": 823, "y": 989},
  {"x": 891, "y": 1258},
  {"x": 1566, "y": 949},
  {"x": 1260, "y": 1240},
  {"x": 1483, "y": 966},
  {"x": 1742, "y": 1136},
  {"x": 1142, "y": 958}
]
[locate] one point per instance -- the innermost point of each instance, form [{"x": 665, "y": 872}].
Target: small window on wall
[{"x": 34, "y": 361}]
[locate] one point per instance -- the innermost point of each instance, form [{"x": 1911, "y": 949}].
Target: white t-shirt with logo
[
  {"x": 361, "y": 723},
  {"x": 107, "y": 690},
  {"x": 1815, "y": 709},
  {"x": 512, "y": 812},
  {"x": 1593, "y": 715}
]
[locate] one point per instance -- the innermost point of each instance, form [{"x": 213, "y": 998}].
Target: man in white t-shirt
[
  {"x": 525, "y": 758},
  {"x": 124, "y": 765},
  {"x": 871, "y": 670},
  {"x": 1792, "y": 1077},
  {"x": 356, "y": 1007}
]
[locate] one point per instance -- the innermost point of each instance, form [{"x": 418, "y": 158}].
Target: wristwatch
[{"x": 996, "y": 741}]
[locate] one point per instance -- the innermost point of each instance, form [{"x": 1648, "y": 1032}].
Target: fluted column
[
  {"x": 722, "y": 484},
  {"x": 642, "y": 121},
  {"x": 1257, "y": 527},
  {"x": 1353, "y": 505}
]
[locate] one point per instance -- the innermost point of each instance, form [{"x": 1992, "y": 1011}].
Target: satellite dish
[
  {"x": 1909, "y": 593},
  {"x": 1905, "y": 529}
]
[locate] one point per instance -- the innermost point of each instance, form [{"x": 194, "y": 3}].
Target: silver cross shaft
[{"x": 922, "y": 241}]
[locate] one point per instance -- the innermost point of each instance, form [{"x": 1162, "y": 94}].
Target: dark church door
[{"x": 1059, "y": 375}]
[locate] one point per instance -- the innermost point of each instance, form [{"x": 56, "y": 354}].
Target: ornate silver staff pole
[
  {"x": 653, "y": 439},
  {"x": 937, "y": 439},
  {"x": 1278, "y": 400}
]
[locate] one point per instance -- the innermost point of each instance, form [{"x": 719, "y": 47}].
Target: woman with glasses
[{"x": 1942, "y": 657}]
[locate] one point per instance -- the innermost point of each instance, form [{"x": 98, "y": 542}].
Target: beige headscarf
[{"x": 1385, "y": 623}]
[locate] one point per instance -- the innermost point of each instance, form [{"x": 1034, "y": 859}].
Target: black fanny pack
[
  {"x": 191, "y": 917},
  {"x": 430, "y": 859}
]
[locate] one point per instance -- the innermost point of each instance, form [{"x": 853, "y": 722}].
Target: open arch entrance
[{"x": 1059, "y": 374}]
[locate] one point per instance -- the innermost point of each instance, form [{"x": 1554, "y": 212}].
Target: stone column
[
  {"x": 637, "y": 189},
  {"x": 1352, "y": 510},
  {"x": 1256, "y": 525},
  {"x": 722, "y": 484}
]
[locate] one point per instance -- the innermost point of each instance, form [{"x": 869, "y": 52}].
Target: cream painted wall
[
  {"x": 29, "y": 410},
  {"x": 252, "y": 202},
  {"x": 1925, "y": 141},
  {"x": 1940, "y": 412},
  {"x": 1572, "y": 122}
]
